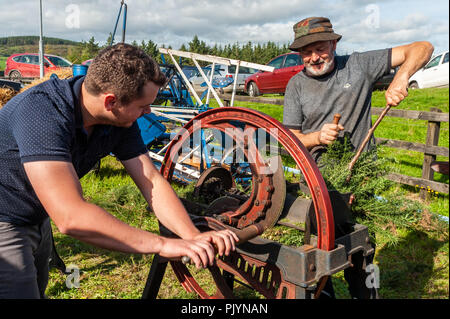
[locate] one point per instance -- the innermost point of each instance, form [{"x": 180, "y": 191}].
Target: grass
[
  {"x": 420, "y": 257},
  {"x": 416, "y": 266},
  {"x": 3, "y": 62},
  {"x": 105, "y": 274},
  {"x": 414, "y": 130}
]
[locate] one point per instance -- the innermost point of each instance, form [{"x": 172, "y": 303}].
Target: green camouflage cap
[{"x": 311, "y": 30}]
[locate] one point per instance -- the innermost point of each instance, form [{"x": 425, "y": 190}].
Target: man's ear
[{"x": 109, "y": 101}]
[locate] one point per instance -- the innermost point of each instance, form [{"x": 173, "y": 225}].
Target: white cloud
[{"x": 174, "y": 22}]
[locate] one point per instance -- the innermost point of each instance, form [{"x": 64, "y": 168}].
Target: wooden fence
[
  {"x": 430, "y": 149},
  {"x": 22, "y": 80}
]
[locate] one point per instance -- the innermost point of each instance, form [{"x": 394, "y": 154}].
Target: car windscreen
[
  {"x": 434, "y": 62},
  {"x": 58, "y": 61},
  {"x": 445, "y": 58},
  {"x": 277, "y": 62},
  {"x": 18, "y": 58},
  {"x": 242, "y": 69},
  {"x": 292, "y": 60}
]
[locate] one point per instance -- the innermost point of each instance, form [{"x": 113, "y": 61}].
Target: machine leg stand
[
  {"x": 229, "y": 279},
  {"x": 357, "y": 276},
  {"x": 155, "y": 277}
]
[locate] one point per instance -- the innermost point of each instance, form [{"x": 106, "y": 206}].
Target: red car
[
  {"x": 286, "y": 66},
  {"x": 24, "y": 65},
  {"x": 87, "y": 62}
]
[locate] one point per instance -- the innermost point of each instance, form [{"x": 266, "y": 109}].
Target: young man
[
  {"x": 333, "y": 84},
  {"x": 53, "y": 134}
]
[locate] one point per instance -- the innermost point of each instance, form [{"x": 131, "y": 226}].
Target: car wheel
[
  {"x": 413, "y": 85},
  {"x": 15, "y": 75},
  {"x": 253, "y": 89}
]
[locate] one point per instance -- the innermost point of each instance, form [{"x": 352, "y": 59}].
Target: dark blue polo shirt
[{"x": 44, "y": 123}]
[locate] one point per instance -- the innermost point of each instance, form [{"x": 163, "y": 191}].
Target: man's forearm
[
  {"x": 309, "y": 140},
  {"x": 411, "y": 57},
  {"x": 109, "y": 232},
  {"x": 161, "y": 197},
  {"x": 59, "y": 190},
  {"x": 169, "y": 209}
]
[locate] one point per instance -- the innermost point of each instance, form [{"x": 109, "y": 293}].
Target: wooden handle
[
  {"x": 336, "y": 118},
  {"x": 365, "y": 141}
]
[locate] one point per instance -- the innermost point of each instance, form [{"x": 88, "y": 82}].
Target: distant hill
[
  {"x": 17, "y": 44},
  {"x": 33, "y": 40}
]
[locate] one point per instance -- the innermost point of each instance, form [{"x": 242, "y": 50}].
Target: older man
[{"x": 333, "y": 84}]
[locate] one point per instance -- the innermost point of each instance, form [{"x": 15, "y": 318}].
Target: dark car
[
  {"x": 384, "y": 82},
  {"x": 27, "y": 65},
  {"x": 286, "y": 66}
]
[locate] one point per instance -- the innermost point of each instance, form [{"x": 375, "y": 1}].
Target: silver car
[{"x": 223, "y": 77}]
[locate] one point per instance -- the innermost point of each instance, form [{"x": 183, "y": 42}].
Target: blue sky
[{"x": 365, "y": 25}]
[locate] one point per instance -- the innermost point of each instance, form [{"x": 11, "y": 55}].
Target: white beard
[{"x": 328, "y": 66}]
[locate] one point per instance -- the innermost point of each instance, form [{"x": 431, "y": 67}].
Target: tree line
[
  {"x": 33, "y": 40},
  {"x": 256, "y": 53}
]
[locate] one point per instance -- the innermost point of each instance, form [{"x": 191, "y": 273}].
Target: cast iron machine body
[{"x": 246, "y": 190}]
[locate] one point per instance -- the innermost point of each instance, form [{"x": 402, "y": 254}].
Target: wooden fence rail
[{"x": 430, "y": 149}]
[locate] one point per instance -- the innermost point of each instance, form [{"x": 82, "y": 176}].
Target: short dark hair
[{"x": 122, "y": 69}]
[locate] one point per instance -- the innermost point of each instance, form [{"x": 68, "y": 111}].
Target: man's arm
[
  {"x": 292, "y": 117},
  {"x": 410, "y": 58},
  {"x": 58, "y": 189},
  {"x": 168, "y": 207},
  {"x": 327, "y": 134}
]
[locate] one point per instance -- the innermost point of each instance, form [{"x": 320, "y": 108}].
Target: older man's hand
[
  {"x": 397, "y": 90},
  {"x": 329, "y": 133}
]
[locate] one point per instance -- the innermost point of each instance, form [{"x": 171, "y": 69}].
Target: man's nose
[
  {"x": 315, "y": 57},
  {"x": 147, "y": 110}
]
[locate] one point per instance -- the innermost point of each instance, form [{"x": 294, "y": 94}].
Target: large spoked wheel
[{"x": 241, "y": 141}]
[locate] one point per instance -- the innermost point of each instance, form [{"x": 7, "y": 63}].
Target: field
[
  {"x": 416, "y": 266},
  {"x": 2, "y": 62}
]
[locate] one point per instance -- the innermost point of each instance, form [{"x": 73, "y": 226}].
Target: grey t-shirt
[{"x": 310, "y": 102}]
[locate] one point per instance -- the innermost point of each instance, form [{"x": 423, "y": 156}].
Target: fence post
[{"x": 432, "y": 140}]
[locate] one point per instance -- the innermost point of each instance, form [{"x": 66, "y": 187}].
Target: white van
[{"x": 433, "y": 74}]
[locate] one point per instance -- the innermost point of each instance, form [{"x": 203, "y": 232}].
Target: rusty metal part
[
  {"x": 278, "y": 271},
  {"x": 221, "y": 119},
  {"x": 207, "y": 184},
  {"x": 259, "y": 201},
  {"x": 190, "y": 284},
  {"x": 222, "y": 205},
  {"x": 265, "y": 203},
  {"x": 262, "y": 276}
]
